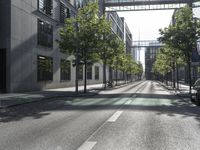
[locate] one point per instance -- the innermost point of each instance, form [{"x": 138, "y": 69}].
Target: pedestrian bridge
[
  {"x": 147, "y": 43},
  {"x": 137, "y": 5}
]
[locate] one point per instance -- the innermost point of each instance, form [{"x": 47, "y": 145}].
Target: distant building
[{"x": 150, "y": 58}]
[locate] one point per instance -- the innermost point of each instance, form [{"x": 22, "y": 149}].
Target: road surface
[{"x": 140, "y": 116}]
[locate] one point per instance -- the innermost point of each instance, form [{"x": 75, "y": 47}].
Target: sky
[{"x": 145, "y": 25}]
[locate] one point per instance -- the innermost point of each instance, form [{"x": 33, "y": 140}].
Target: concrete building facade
[
  {"x": 150, "y": 58},
  {"x": 120, "y": 28},
  {"x": 30, "y": 59}
]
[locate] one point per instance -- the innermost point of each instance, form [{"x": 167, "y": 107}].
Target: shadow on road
[{"x": 102, "y": 102}]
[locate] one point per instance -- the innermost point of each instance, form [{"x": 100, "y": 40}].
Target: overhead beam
[
  {"x": 136, "y": 5},
  {"x": 148, "y": 2}
]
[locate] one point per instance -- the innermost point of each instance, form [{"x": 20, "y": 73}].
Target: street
[{"x": 140, "y": 116}]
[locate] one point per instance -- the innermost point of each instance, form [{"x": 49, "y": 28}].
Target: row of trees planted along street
[
  {"x": 180, "y": 40},
  {"x": 167, "y": 60},
  {"x": 92, "y": 36}
]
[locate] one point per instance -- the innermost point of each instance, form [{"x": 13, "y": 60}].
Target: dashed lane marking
[
  {"x": 88, "y": 145},
  {"x": 115, "y": 116},
  {"x": 128, "y": 102}
]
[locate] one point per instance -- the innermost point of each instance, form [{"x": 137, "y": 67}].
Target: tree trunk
[
  {"x": 190, "y": 78},
  {"x": 104, "y": 73},
  {"x": 116, "y": 76},
  {"x": 177, "y": 78},
  {"x": 173, "y": 75},
  {"x": 85, "y": 77},
  {"x": 76, "y": 79},
  {"x": 110, "y": 74}
]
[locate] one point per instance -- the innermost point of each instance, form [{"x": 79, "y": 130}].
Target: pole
[{"x": 77, "y": 60}]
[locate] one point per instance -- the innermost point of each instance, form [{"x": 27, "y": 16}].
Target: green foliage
[
  {"x": 82, "y": 33},
  {"x": 91, "y": 34},
  {"x": 183, "y": 34},
  {"x": 166, "y": 58},
  {"x": 162, "y": 64}
]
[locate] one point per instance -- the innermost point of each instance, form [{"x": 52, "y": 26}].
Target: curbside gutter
[{"x": 48, "y": 97}]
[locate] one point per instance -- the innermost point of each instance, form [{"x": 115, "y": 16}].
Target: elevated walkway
[
  {"x": 137, "y": 5},
  {"x": 146, "y": 43}
]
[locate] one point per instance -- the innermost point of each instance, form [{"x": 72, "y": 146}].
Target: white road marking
[
  {"x": 128, "y": 102},
  {"x": 88, "y": 145},
  {"x": 115, "y": 116}
]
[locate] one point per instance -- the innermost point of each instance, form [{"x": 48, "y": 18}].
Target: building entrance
[{"x": 2, "y": 70}]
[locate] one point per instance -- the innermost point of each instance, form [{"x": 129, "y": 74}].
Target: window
[
  {"x": 80, "y": 72},
  {"x": 45, "y": 6},
  {"x": 96, "y": 72},
  {"x": 45, "y": 34},
  {"x": 64, "y": 13},
  {"x": 65, "y": 70},
  {"x": 45, "y": 68},
  {"x": 89, "y": 72}
]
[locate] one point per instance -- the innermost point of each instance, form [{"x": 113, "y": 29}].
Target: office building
[
  {"x": 30, "y": 59},
  {"x": 29, "y": 55}
]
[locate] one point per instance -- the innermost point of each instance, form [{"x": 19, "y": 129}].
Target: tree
[
  {"x": 166, "y": 61},
  {"x": 82, "y": 33},
  {"x": 162, "y": 65},
  {"x": 116, "y": 56},
  {"x": 182, "y": 35},
  {"x": 106, "y": 37}
]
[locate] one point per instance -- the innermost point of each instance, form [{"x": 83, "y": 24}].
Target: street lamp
[{"x": 77, "y": 58}]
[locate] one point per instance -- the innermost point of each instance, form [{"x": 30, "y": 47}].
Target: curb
[
  {"x": 176, "y": 94},
  {"x": 80, "y": 94},
  {"x": 48, "y": 98}
]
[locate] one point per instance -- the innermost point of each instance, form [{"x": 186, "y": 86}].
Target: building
[
  {"x": 117, "y": 24},
  {"x": 29, "y": 55},
  {"x": 128, "y": 39},
  {"x": 195, "y": 58},
  {"x": 150, "y": 58},
  {"x": 120, "y": 28}
]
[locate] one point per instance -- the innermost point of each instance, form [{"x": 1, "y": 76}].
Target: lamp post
[{"x": 77, "y": 58}]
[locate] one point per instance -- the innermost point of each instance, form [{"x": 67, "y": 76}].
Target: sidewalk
[
  {"x": 14, "y": 99},
  {"x": 183, "y": 89}
]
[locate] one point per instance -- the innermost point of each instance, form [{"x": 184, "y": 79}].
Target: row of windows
[
  {"x": 45, "y": 34},
  {"x": 46, "y": 6},
  {"x": 45, "y": 70},
  {"x": 45, "y": 30}
]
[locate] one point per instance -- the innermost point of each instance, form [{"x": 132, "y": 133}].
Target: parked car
[{"x": 196, "y": 92}]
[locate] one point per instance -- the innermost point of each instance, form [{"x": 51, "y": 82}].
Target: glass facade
[
  {"x": 96, "y": 72},
  {"x": 44, "y": 68},
  {"x": 64, "y": 13},
  {"x": 80, "y": 73},
  {"x": 89, "y": 72},
  {"x": 45, "y": 34},
  {"x": 45, "y": 6},
  {"x": 65, "y": 70}
]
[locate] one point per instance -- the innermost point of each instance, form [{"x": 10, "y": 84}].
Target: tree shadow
[{"x": 41, "y": 109}]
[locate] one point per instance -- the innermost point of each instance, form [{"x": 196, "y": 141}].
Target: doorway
[{"x": 2, "y": 70}]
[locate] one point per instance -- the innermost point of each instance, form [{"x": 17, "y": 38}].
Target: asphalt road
[{"x": 140, "y": 116}]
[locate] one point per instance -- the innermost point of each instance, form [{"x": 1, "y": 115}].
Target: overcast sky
[{"x": 144, "y": 25}]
